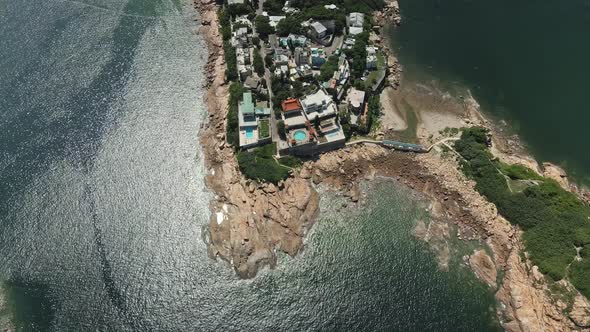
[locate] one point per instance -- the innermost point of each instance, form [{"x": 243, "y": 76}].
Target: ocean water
[
  {"x": 525, "y": 62},
  {"x": 102, "y": 201}
]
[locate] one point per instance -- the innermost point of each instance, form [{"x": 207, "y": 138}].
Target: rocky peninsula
[{"x": 252, "y": 221}]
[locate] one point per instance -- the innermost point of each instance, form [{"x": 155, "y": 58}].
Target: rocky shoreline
[{"x": 250, "y": 222}]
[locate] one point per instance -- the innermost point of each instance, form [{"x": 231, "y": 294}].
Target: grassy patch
[
  {"x": 518, "y": 172},
  {"x": 555, "y": 221},
  {"x": 374, "y": 75},
  {"x": 259, "y": 164},
  {"x": 291, "y": 161},
  {"x": 233, "y": 126},
  {"x": 263, "y": 128}
]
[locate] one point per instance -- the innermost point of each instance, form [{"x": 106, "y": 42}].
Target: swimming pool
[
  {"x": 249, "y": 132},
  {"x": 300, "y": 135}
]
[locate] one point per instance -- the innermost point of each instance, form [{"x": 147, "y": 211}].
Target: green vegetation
[
  {"x": 374, "y": 75},
  {"x": 328, "y": 68},
  {"x": 264, "y": 128},
  {"x": 555, "y": 221},
  {"x": 358, "y": 55},
  {"x": 291, "y": 161},
  {"x": 283, "y": 89},
  {"x": 282, "y": 130},
  {"x": 233, "y": 127},
  {"x": 273, "y": 7},
  {"x": 224, "y": 24},
  {"x": 231, "y": 72},
  {"x": 288, "y": 25},
  {"x": 449, "y": 131},
  {"x": 580, "y": 273},
  {"x": 258, "y": 63},
  {"x": 259, "y": 164},
  {"x": 344, "y": 117},
  {"x": 263, "y": 27},
  {"x": 238, "y": 9},
  {"x": 518, "y": 172},
  {"x": 231, "y": 61},
  {"x": 374, "y": 105}
]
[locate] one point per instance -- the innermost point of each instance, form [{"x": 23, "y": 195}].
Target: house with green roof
[{"x": 250, "y": 118}]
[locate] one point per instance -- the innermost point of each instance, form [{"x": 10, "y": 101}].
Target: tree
[
  {"x": 258, "y": 63},
  {"x": 256, "y": 41},
  {"x": 238, "y": 9},
  {"x": 273, "y": 7},
  {"x": 317, "y": 123},
  {"x": 282, "y": 130},
  {"x": 268, "y": 60},
  {"x": 224, "y": 24},
  {"x": 229, "y": 52},
  {"x": 288, "y": 25},
  {"x": 328, "y": 68},
  {"x": 297, "y": 89},
  {"x": 263, "y": 27}
]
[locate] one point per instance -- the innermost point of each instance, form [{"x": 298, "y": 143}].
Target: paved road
[{"x": 274, "y": 132}]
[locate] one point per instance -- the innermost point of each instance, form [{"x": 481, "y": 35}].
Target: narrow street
[{"x": 267, "y": 77}]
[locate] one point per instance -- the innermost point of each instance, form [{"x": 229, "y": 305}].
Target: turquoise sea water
[
  {"x": 524, "y": 61},
  {"x": 102, "y": 200}
]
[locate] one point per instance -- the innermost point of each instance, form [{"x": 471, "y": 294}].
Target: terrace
[{"x": 248, "y": 122}]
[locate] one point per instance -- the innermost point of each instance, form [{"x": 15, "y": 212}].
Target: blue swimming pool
[
  {"x": 300, "y": 135},
  {"x": 249, "y": 132}
]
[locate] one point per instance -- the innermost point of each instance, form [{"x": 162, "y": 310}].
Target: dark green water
[
  {"x": 102, "y": 200},
  {"x": 524, "y": 61}
]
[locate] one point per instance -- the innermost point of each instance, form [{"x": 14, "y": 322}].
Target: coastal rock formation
[
  {"x": 390, "y": 13},
  {"x": 580, "y": 313},
  {"x": 483, "y": 266},
  {"x": 250, "y": 221},
  {"x": 556, "y": 173}
]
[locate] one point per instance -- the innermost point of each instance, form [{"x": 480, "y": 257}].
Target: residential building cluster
[{"x": 311, "y": 123}]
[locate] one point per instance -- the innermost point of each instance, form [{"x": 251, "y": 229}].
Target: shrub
[
  {"x": 328, "y": 68},
  {"x": 554, "y": 220},
  {"x": 258, "y": 63},
  {"x": 518, "y": 172},
  {"x": 291, "y": 161},
  {"x": 260, "y": 165},
  {"x": 229, "y": 53},
  {"x": 263, "y": 27},
  {"x": 232, "y": 130},
  {"x": 282, "y": 130}
]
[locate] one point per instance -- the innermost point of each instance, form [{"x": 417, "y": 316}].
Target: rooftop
[
  {"x": 291, "y": 105},
  {"x": 356, "y": 20},
  {"x": 356, "y": 98},
  {"x": 355, "y": 30},
  {"x": 246, "y": 106},
  {"x": 319, "y": 104},
  {"x": 319, "y": 27},
  {"x": 295, "y": 121}
]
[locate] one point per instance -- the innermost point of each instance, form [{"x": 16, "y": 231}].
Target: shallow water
[
  {"x": 102, "y": 200},
  {"x": 525, "y": 62}
]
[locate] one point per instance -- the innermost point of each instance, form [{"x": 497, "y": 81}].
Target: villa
[
  {"x": 319, "y": 104},
  {"x": 355, "y": 23},
  {"x": 356, "y": 100},
  {"x": 293, "y": 113},
  {"x": 253, "y": 129},
  {"x": 318, "y": 30}
]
